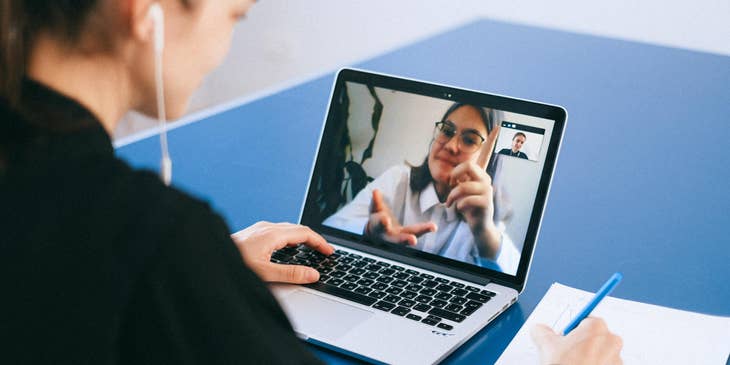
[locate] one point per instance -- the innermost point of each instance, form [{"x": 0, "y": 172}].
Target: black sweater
[{"x": 101, "y": 264}]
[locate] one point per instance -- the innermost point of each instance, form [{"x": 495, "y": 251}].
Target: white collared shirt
[{"x": 453, "y": 239}]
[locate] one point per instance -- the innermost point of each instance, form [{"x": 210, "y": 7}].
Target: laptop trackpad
[{"x": 322, "y": 318}]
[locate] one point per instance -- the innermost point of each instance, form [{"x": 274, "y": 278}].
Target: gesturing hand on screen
[
  {"x": 384, "y": 225},
  {"x": 472, "y": 194}
]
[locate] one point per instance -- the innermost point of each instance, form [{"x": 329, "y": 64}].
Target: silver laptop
[{"x": 414, "y": 277}]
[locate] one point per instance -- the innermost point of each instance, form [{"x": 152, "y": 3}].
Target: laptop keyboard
[{"x": 408, "y": 293}]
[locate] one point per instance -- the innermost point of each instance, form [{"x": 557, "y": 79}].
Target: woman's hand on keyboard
[{"x": 257, "y": 242}]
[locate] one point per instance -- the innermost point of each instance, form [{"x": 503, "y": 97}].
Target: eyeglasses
[{"x": 468, "y": 142}]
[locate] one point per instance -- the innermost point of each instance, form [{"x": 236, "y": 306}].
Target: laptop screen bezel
[{"x": 309, "y": 213}]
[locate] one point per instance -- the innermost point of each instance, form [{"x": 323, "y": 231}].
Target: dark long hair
[
  {"x": 421, "y": 175},
  {"x": 20, "y": 23}
]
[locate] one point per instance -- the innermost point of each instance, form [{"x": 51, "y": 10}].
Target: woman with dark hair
[
  {"x": 445, "y": 206},
  {"x": 100, "y": 263},
  {"x": 103, "y": 264}
]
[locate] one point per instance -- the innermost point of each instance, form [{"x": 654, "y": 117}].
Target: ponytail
[{"x": 21, "y": 21}]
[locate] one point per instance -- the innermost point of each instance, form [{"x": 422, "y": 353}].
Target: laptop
[{"x": 412, "y": 277}]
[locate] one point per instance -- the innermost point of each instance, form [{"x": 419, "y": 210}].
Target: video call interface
[{"x": 409, "y": 174}]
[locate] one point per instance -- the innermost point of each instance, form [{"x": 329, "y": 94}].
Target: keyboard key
[
  {"x": 442, "y": 280},
  {"x": 413, "y": 317},
  {"x": 443, "y": 296},
  {"x": 379, "y": 286},
  {"x": 302, "y": 262},
  {"x": 472, "y": 288},
  {"x": 400, "y": 283},
  {"x": 426, "y": 276},
  {"x": 289, "y": 250},
  {"x": 373, "y": 267},
  {"x": 472, "y": 304},
  {"x": 371, "y": 275},
  {"x": 355, "y": 256},
  {"x": 324, "y": 277},
  {"x": 454, "y": 308},
  {"x": 357, "y": 271},
  {"x": 359, "y": 264},
  {"x": 397, "y": 268},
  {"x": 478, "y": 297},
  {"x": 488, "y": 293},
  {"x": 387, "y": 272},
  {"x": 329, "y": 263},
  {"x": 415, "y": 279},
  {"x": 422, "y": 307},
  {"x": 451, "y": 316},
  {"x": 400, "y": 311},
  {"x": 303, "y": 255},
  {"x": 338, "y": 274},
  {"x": 368, "y": 259},
  {"x": 430, "y": 284},
  {"x": 435, "y": 318},
  {"x": 341, "y": 252},
  {"x": 383, "y": 264},
  {"x": 429, "y": 292},
  {"x": 335, "y": 281},
  {"x": 407, "y": 303},
  {"x": 458, "y": 300},
  {"x": 438, "y": 303},
  {"x": 458, "y": 285},
  {"x": 280, "y": 256},
  {"x": 352, "y": 278},
  {"x": 392, "y": 298},
  {"x": 423, "y": 299},
  {"x": 363, "y": 290},
  {"x": 348, "y": 286},
  {"x": 393, "y": 290},
  {"x": 458, "y": 292},
  {"x": 414, "y": 287},
  {"x": 445, "y": 326},
  {"x": 412, "y": 272},
  {"x": 342, "y": 293},
  {"x": 368, "y": 282},
  {"x": 385, "y": 279},
  {"x": 408, "y": 294},
  {"x": 445, "y": 288},
  {"x": 384, "y": 306},
  {"x": 378, "y": 294},
  {"x": 429, "y": 321},
  {"x": 401, "y": 276}
]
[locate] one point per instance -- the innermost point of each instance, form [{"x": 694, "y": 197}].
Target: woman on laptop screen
[{"x": 446, "y": 205}]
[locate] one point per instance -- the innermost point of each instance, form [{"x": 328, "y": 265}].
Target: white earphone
[{"x": 158, "y": 21}]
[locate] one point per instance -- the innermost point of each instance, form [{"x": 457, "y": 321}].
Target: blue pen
[{"x": 605, "y": 290}]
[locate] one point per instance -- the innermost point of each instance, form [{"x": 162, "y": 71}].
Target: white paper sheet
[{"x": 651, "y": 334}]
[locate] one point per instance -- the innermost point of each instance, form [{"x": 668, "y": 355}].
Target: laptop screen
[{"x": 400, "y": 166}]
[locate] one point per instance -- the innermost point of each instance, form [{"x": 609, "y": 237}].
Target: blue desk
[{"x": 642, "y": 184}]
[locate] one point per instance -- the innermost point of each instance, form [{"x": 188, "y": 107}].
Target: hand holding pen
[{"x": 586, "y": 340}]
